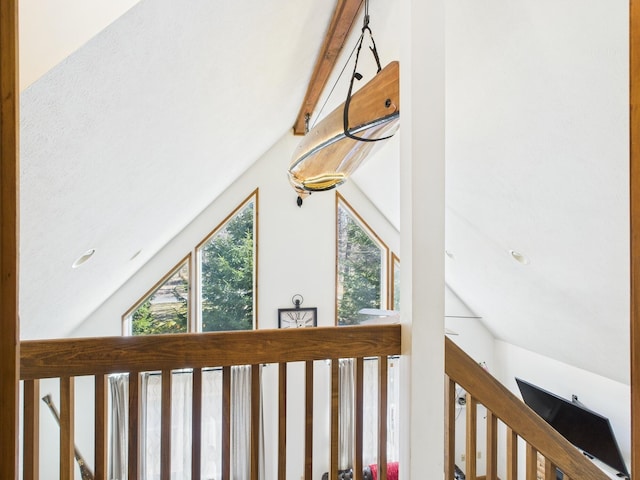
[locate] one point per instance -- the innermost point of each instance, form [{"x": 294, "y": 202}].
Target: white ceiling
[
  {"x": 100, "y": 133},
  {"x": 537, "y": 154},
  {"x": 51, "y": 31},
  {"x": 537, "y": 162}
]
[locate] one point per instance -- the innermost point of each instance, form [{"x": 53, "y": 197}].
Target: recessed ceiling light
[
  {"x": 83, "y": 258},
  {"x": 519, "y": 257}
]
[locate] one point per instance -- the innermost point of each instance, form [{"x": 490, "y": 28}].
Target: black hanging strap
[{"x": 356, "y": 75}]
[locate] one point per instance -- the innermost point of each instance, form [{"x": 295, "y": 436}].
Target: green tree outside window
[
  {"x": 360, "y": 260},
  {"x": 166, "y": 309},
  {"x": 227, "y": 274}
]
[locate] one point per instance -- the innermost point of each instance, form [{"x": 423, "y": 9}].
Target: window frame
[
  {"x": 194, "y": 314},
  {"x": 394, "y": 263},
  {"x": 342, "y": 202},
  {"x": 197, "y": 279},
  {"x": 127, "y": 318}
]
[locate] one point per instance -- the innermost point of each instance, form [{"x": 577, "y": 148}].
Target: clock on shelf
[{"x": 297, "y": 317}]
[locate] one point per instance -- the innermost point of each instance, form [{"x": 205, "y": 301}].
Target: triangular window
[
  {"x": 224, "y": 283},
  {"x": 226, "y": 273},
  {"x": 361, "y": 266},
  {"x": 166, "y": 308}
]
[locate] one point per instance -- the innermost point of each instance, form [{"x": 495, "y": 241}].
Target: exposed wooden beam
[
  {"x": 343, "y": 19},
  {"x": 9, "y": 171},
  {"x": 634, "y": 188}
]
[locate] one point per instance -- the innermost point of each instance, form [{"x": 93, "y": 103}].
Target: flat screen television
[{"x": 585, "y": 429}]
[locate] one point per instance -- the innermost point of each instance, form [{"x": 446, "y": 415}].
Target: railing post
[
  {"x": 492, "y": 446},
  {"x": 549, "y": 470},
  {"x": 31, "y": 445},
  {"x": 282, "y": 421},
  {"x": 532, "y": 463},
  {"x": 9, "y": 240},
  {"x": 359, "y": 421},
  {"x": 196, "y": 424},
  {"x": 512, "y": 454},
  {"x": 472, "y": 432},
  {"x": 67, "y": 394},
  {"x": 449, "y": 428},
  {"x": 165, "y": 428},
  {"x": 133, "y": 464},
  {"x": 383, "y": 373},
  {"x": 334, "y": 418},
  {"x": 308, "y": 421},
  {"x": 226, "y": 422},
  {"x": 255, "y": 421},
  {"x": 101, "y": 427}
]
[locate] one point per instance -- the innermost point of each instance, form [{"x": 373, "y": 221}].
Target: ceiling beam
[{"x": 343, "y": 19}]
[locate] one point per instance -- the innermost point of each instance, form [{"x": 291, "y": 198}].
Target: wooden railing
[
  {"x": 520, "y": 421},
  {"x": 98, "y": 357}
]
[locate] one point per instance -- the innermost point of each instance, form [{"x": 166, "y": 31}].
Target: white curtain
[
  {"x": 181, "y": 390},
  {"x": 119, "y": 388},
  {"x": 370, "y": 411},
  {"x": 150, "y": 420},
  {"x": 241, "y": 424},
  {"x": 393, "y": 418},
  {"x": 211, "y": 452},
  {"x": 346, "y": 412}
]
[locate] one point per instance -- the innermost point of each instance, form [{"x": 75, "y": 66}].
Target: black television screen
[{"x": 587, "y": 430}]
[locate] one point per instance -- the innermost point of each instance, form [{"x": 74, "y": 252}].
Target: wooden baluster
[
  {"x": 531, "y": 472},
  {"x": 196, "y": 424},
  {"x": 549, "y": 470},
  {"x": 31, "y": 428},
  {"x": 512, "y": 454},
  {"x": 67, "y": 458},
  {"x": 282, "y": 421},
  {"x": 449, "y": 428},
  {"x": 334, "y": 411},
  {"x": 226, "y": 422},
  {"x": 359, "y": 420},
  {"x": 472, "y": 432},
  {"x": 165, "y": 426},
  {"x": 133, "y": 464},
  {"x": 308, "y": 421},
  {"x": 492, "y": 446},
  {"x": 255, "y": 421},
  {"x": 383, "y": 373},
  {"x": 101, "y": 427}
]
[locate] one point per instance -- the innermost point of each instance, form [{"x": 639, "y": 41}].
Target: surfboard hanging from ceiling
[{"x": 334, "y": 148}]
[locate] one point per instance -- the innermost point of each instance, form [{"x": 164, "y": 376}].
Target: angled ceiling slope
[
  {"x": 51, "y": 31},
  {"x": 130, "y": 137}
]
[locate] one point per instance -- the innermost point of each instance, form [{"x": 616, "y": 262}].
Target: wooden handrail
[
  {"x": 92, "y": 356},
  {"x": 66, "y": 359},
  {"x": 512, "y": 411}
]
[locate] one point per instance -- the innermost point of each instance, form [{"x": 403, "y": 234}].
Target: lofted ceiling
[
  {"x": 536, "y": 139},
  {"x": 51, "y": 31}
]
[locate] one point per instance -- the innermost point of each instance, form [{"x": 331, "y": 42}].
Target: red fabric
[{"x": 392, "y": 471}]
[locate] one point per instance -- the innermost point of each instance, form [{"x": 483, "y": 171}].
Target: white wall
[
  {"x": 296, "y": 250},
  {"x": 602, "y": 395},
  {"x": 296, "y": 254}
]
